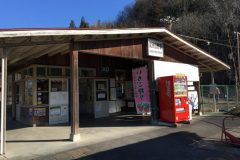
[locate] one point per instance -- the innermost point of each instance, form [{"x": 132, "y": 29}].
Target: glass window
[
  {"x": 28, "y": 98},
  {"x": 28, "y": 72},
  {"x": 58, "y": 85},
  {"x": 55, "y": 71},
  {"x": 9, "y": 90},
  {"x": 67, "y": 72},
  {"x": 42, "y": 85},
  {"x": 120, "y": 90},
  {"x": 18, "y": 76},
  {"x": 101, "y": 85},
  {"x": 41, "y": 71},
  {"x": 42, "y": 91}
]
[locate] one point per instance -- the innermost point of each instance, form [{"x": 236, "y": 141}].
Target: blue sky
[{"x": 57, "y": 13}]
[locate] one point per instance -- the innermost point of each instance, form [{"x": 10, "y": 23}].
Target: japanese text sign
[{"x": 141, "y": 89}]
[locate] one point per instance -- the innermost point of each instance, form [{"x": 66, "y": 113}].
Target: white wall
[{"x": 162, "y": 68}]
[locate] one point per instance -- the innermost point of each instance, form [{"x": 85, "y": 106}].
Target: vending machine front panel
[{"x": 173, "y": 100}]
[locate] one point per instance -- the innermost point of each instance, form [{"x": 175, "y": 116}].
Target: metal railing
[{"x": 217, "y": 98}]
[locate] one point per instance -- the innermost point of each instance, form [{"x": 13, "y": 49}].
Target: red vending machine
[{"x": 173, "y": 99}]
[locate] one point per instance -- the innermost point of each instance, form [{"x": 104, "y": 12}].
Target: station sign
[{"x": 155, "y": 48}]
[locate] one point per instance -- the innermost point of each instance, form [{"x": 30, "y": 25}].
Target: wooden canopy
[{"x": 27, "y": 44}]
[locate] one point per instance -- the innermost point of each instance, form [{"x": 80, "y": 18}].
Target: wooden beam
[
  {"x": 208, "y": 67},
  {"x": 67, "y": 40},
  {"x": 65, "y": 52},
  {"x": 188, "y": 50},
  {"x": 163, "y": 39},
  {"x": 60, "y": 51},
  {"x": 21, "y": 55},
  {"x": 40, "y": 53},
  {"x": 15, "y": 53},
  {"x": 75, "y": 135}
]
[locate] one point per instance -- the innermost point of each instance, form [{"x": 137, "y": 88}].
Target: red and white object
[{"x": 173, "y": 99}]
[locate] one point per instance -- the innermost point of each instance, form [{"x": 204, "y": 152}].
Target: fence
[{"x": 217, "y": 98}]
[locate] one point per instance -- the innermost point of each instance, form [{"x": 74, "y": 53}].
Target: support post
[
  {"x": 227, "y": 97},
  {"x": 75, "y": 135},
  {"x": 152, "y": 90},
  {"x": 3, "y": 101},
  {"x": 214, "y": 96},
  {"x": 13, "y": 98},
  {"x": 237, "y": 72},
  {"x": 200, "y": 102}
]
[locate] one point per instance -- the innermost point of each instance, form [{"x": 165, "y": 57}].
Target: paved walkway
[
  {"x": 108, "y": 140},
  {"x": 198, "y": 141}
]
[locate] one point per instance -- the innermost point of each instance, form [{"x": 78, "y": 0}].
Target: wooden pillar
[
  {"x": 75, "y": 135},
  {"x": 3, "y": 101},
  {"x": 13, "y": 97},
  {"x": 152, "y": 90}
]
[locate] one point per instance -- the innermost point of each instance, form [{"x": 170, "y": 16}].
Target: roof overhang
[{"x": 27, "y": 44}]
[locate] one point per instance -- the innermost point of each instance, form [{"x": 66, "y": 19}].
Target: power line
[{"x": 206, "y": 40}]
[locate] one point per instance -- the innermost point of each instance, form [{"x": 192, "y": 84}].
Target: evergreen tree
[
  {"x": 155, "y": 13},
  {"x": 83, "y": 23},
  {"x": 72, "y": 24}
]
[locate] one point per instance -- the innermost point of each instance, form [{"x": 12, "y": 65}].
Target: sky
[{"x": 57, "y": 13}]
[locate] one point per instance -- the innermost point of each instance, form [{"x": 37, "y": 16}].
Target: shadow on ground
[
  {"x": 114, "y": 120},
  {"x": 117, "y": 120},
  {"x": 176, "y": 146}
]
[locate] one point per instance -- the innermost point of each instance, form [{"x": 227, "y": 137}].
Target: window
[
  {"x": 18, "y": 76},
  {"x": 120, "y": 90},
  {"x": 67, "y": 72},
  {"x": 58, "y": 85},
  {"x": 120, "y": 76},
  {"x": 55, "y": 72},
  {"x": 41, "y": 71},
  {"x": 28, "y": 72},
  {"x": 28, "y": 97},
  {"x": 42, "y": 91}
]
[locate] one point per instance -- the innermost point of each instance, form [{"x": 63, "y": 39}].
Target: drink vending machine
[{"x": 173, "y": 99}]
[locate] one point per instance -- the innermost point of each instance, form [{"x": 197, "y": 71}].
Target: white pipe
[{"x": 3, "y": 103}]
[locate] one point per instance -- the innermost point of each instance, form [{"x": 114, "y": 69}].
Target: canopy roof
[{"x": 26, "y": 44}]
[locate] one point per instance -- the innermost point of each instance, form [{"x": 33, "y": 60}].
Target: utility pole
[{"x": 237, "y": 70}]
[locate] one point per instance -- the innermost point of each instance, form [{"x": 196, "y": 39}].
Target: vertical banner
[{"x": 141, "y": 89}]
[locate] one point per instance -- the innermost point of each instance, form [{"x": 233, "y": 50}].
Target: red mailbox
[{"x": 173, "y": 99}]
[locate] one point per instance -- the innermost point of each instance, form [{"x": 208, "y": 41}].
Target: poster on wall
[
  {"x": 38, "y": 112},
  {"x": 141, "y": 90},
  {"x": 193, "y": 99}
]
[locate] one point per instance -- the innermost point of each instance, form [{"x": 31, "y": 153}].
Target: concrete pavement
[{"x": 125, "y": 138}]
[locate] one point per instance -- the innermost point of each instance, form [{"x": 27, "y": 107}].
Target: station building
[{"x": 52, "y": 76}]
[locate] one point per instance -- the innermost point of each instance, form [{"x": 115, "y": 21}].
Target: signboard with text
[
  {"x": 155, "y": 48},
  {"x": 141, "y": 89}
]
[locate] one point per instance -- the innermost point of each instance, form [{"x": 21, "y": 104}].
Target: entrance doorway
[
  {"x": 93, "y": 98},
  {"x": 101, "y": 103},
  {"x": 86, "y": 97}
]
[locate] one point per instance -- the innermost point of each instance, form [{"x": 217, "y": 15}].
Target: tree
[
  {"x": 155, "y": 13},
  {"x": 83, "y": 23},
  {"x": 72, "y": 24}
]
